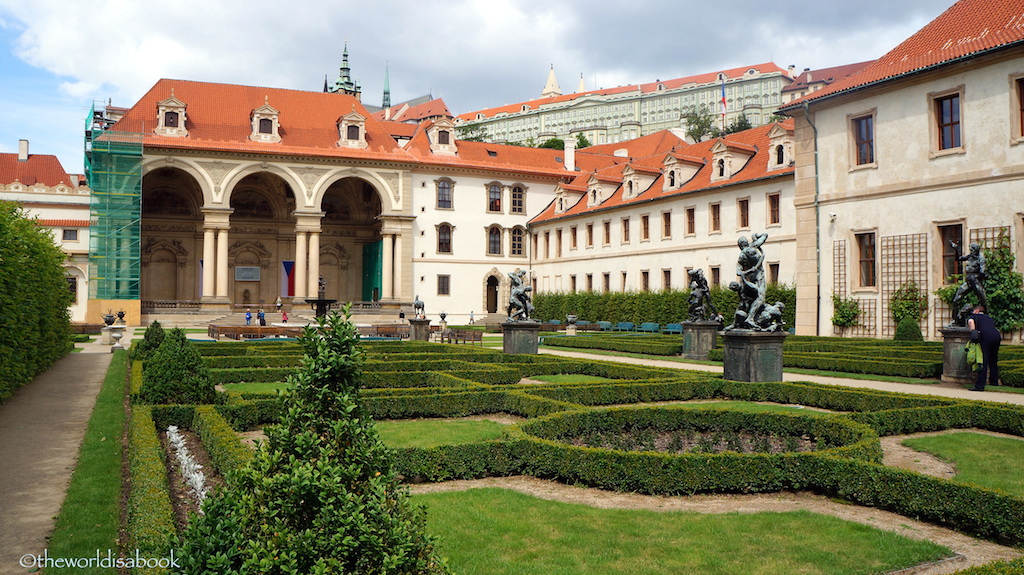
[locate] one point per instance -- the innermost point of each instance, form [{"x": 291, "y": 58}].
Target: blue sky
[{"x": 59, "y": 56}]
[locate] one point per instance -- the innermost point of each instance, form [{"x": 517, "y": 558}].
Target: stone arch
[
  {"x": 240, "y": 173},
  {"x": 200, "y": 175},
  {"x": 495, "y": 291},
  {"x": 168, "y": 191},
  {"x": 252, "y": 287},
  {"x": 386, "y": 188}
]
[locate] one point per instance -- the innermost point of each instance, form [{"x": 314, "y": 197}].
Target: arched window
[
  {"x": 266, "y": 126},
  {"x": 170, "y": 119},
  {"x": 672, "y": 179},
  {"x": 518, "y": 234},
  {"x": 629, "y": 188},
  {"x": 518, "y": 200},
  {"x": 721, "y": 168},
  {"x": 494, "y": 198},
  {"x": 494, "y": 241},
  {"x": 780, "y": 154},
  {"x": 444, "y": 239},
  {"x": 444, "y": 194}
]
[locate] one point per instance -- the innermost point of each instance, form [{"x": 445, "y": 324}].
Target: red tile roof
[
  {"x": 709, "y": 77},
  {"x": 824, "y": 76},
  {"x": 64, "y": 223},
  {"x": 218, "y": 118},
  {"x": 37, "y": 169},
  {"x": 403, "y": 113},
  {"x": 966, "y": 29},
  {"x": 756, "y": 168}
]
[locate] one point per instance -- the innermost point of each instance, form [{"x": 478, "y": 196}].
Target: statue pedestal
[
  {"x": 419, "y": 329},
  {"x": 753, "y": 355},
  {"x": 570, "y": 329},
  {"x": 520, "y": 337},
  {"x": 954, "y": 355},
  {"x": 699, "y": 337}
]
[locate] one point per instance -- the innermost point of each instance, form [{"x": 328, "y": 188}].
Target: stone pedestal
[
  {"x": 105, "y": 338},
  {"x": 954, "y": 355},
  {"x": 753, "y": 355},
  {"x": 520, "y": 337},
  {"x": 419, "y": 329},
  {"x": 699, "y": 337},
  {"x": 444, "y": 325},
  {"x": 570, "y": 329}
]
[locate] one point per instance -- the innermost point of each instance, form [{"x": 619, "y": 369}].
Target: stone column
[
  {"x": 314, "y": 264},
  {"x": 387, "y": 273},
  {"x": 222, "y": 263},
  {"x": 396, "y": 281},
  {"x": 300, "y": 265},
  {"x": 209, "y": 262}
]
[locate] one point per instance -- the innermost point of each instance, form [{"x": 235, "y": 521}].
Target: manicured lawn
[
  {"x": 257, "y": 386},
  {"x": 501, "y": 532},
  {"x": 90, "y": 516},
  {"x": 986, "y": 460},
  {"x": 434, "y": 432},
  {"x": 572, "y": 378}
]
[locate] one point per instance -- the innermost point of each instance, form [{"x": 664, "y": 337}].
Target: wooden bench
[
  {"x": 649, "y": 327},
  {"x": 240, "y": 332},
  {"x": 398, "y": 331},
  {"x": 468, "y": 336}
]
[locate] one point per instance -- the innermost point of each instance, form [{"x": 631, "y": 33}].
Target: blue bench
[
  {"x": 649, "y": 327},
  {"x": 624, "y": 326},
  {"x": 582, "y": 322},
  {"x": 605, "y": 325},
  {"x": 673, "y": 328}
]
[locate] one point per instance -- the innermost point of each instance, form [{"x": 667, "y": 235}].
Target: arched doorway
[
  {"x": 350, "y": 240},
  {"x": 171, "y": 238},
  {"x": 262, "y": 235},
  {"x": 492, "y": 294}
]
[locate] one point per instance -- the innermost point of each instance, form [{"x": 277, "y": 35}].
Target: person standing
[
  {"x": 262, "y": 317},
  {"x": 989, "y": 338},
  {"x": 248, "y": 316},
  {"x": 278, "y": 303}
]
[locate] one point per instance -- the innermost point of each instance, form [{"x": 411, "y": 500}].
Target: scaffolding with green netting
[{"x": 113, "y": 168}]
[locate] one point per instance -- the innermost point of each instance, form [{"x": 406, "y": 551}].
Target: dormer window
[
  {"x": 780, "y": 140},
  {"x": 780, "y": 154},
  {"x": 352, "y": 130},
  {"x": 672, "y": 179},
  {"x": 265, "y": 126},
  {"x": 440, "y": 136},
  {"x": 721, "y": 168},
  {"x": 171, "y": 118}
]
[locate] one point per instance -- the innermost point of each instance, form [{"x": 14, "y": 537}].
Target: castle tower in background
[{"x": 344, "y": 83}]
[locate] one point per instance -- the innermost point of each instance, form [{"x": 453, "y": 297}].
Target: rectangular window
[
  {"x": 558, "y": 243},
  {"x": 547, "y": 244},
  {"x": 590, "y": 235},
  {"x": 73, "y": 288},
  {"x": 947, "y": 113},
  {"x": 666, "y": 279},
  {"x": 518, "y": 206},
  {"x": 535, "y": 252},
  {"x": 607, "y": 281},
  {"x": 774, "y": 208},
  {"x": 716, "y": 275},
  {"x": 1019, "y": 89},
  {"x": 666, "y": 225},
  {"x": 645, "y": 227},
  {"x": 691, "y": 221},
  {"x": 743, "y": 213},
  {"x": 773, "y": 273},
  {"x": 572, "y": 237},
  {"x": 645, "y": 280},
  {"x": 572, "y": 283},
  {"x": 866, "y": 258},
  {"x": 625, "y": 230},
  {"x": 950, "y": 265},
  {"x": 444, "y": 284},
  {"x": 70, "y": 236},
  {"x": 494, "y": 198},
  {"x": 517, "y": 242},
  {"x": 864, "y": 140},
  {"x": 607, "y": 233},
  {"x": 622, "y": 286},
  {"x": 716, "y": 217},
  {"x": 590, "y": 282}
]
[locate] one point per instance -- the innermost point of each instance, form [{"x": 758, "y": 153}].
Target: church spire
[
  {"x": 580, "y": 89},
  {"x": 386, "y": 103},
  {"x": 344, "y": 83},
  {"x": 551, "y": 87}
]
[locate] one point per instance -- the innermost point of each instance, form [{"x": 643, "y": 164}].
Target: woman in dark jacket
[{"x": 989, "y": 340}]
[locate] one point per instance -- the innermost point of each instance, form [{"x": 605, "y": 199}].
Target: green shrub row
[
  {"x": 245, "y": 412},
  {"x": 149, "y": 517},
  {"x": 629, "y": 344},
  {"x": 243, "y": 361},
  {"x": 221, "y": 441},
  {"x": 250, "y": 374},
  {"x": 462, "y": 403},
  {"x": 1008, "y": 567},
  {"x": 894, "y": 366}
]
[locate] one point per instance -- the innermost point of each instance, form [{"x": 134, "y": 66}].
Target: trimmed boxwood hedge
[
  {"x": 149, "y": 517},
  {"x": 651, "y": 345},
  {"x": 221, "y": 441}
]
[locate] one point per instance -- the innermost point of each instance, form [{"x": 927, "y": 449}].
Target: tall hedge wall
[
  {"x": 34, "y": 300},
  {"x": 662, "y": 307}
]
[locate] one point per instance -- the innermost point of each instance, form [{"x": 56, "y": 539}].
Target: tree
[
  {"x": 34, "y": 300},
  {"x": 472, "y": 132},
  {"x": 909, "y": 301},
  {"x": 553, "y": 144},
  {"x": 176, "y": 374},
  {"x": 738, "y": 125},
  {"x": 321, "y": 494},
  {"x": 845, "y": 312},
  {"x": 582, "y": 141},
  {"x": 700, "y": 124}
]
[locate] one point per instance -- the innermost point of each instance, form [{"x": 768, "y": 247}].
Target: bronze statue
[
  {"x": 975, "y": 272},
  {"x": 700, "y": 296},
  {"x": 751, "y": 285},
  {"x": 520, "y": 307},
  {"x": 418, "y": 307}
]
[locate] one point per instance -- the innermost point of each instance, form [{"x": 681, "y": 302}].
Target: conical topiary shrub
[
  {"x": 320, "y": 495},
  {"x": 175, "y": 373}
]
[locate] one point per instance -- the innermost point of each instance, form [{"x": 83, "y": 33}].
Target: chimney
[
  {"x": 790, "y": 70},
  {"x": 807, "y": 71},
  {"x": 22, "y": 150},
  {"x": 570, "y": 153}
]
